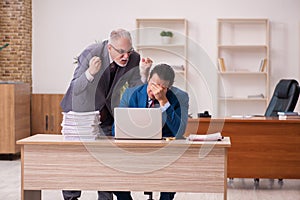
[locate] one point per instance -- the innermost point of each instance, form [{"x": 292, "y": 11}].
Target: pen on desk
[{"x": 169, "y": 138}]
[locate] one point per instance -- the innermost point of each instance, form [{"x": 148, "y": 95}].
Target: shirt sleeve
[
  {"x": 165, "y": 107},
  {"x": 89, "y": 77}
]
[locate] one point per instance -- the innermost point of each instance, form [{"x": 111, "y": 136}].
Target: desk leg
[
  {"x": 225, "y": 174},
  {"x": 32, "y": 195},
  {"x": 27, "y": 194}
]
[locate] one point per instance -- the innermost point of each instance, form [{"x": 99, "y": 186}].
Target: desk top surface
[
  {"x": 245, "y": 120},
  {"x": 59, "y": 140}
]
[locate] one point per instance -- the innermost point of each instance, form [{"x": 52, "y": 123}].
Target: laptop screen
[{"x": 138, "y": 123}]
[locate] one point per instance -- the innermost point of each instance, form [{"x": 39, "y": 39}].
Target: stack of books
[
  {"x": 288, "y": 115},
  {"x": 80, "y": 125},
  {"x": 263, "y": 65}
]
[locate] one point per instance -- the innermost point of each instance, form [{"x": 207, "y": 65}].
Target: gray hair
[{"x": 117, "y": 34}]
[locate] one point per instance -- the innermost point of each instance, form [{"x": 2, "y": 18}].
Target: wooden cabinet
[
  {"x": 243, "y": 44},
  {"x": 46, "y": 113},
  {"x": 150, "y": 43},
  {"x": 14, "y": 115}
]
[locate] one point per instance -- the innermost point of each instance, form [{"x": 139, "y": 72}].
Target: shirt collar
[{"x": 110, "y": 59}]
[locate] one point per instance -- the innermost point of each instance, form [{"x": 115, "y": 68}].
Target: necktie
[
  {"x": 105, "y": 116},
  {"x": 151, "y": 103},
  {"x": 113, "y": 69}
]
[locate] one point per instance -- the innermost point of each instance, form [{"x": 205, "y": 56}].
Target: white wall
[{"x": 62, "y": 28}]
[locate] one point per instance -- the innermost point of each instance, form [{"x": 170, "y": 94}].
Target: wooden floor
[{"x": 243, "y": 189}]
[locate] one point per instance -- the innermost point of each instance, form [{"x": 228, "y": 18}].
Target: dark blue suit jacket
[{"x": 174, "y": 118}]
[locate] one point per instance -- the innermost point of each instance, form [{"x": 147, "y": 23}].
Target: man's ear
[
  {"x": 148, "y": 78},
  {"x": 109, "y": 47}
]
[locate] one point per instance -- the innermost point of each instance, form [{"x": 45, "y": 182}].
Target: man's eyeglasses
[{"x": 122, "y": 51}]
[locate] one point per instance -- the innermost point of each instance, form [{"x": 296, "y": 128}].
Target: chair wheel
[
  {"x": 256, "y": 182},
  {"x": 280, "y": 182}
]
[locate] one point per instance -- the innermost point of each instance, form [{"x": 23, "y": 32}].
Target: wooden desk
[
  {"x": 261, "y": 148},
  {"x": 49, "y": 162}
]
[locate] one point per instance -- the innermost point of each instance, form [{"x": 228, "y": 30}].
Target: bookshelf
[
  {"x": 149, "y": 43},
  {"x": 243, "y": 80}
]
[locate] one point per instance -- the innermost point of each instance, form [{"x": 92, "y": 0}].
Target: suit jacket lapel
[{"x": 143, "y": 97}]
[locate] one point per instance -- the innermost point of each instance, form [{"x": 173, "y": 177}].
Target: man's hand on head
[{"x": 160, "y": 93}]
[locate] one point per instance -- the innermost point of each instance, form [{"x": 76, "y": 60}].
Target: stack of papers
[
  {"x": 80, "y": 125},
  {"x": 209, "y": 137},
  {"x": 288, "y": 115}
]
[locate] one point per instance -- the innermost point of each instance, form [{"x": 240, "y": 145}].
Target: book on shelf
[
  {"x": 221, "y": 63},
  {"x": 178, "y": 67},
  {"x": 263, "y": 65},
  {"x": 256, "y": 96}
]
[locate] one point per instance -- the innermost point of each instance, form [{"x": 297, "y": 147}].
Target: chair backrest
[{"x": 284, "y": 98}]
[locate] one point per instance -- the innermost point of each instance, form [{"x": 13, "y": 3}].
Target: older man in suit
[{"x": 103, "y": 69}]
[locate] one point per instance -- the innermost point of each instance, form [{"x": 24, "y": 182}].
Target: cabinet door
[
  {"x": 46, "y": 115},
  {"x": 7, "y": 121},
  {"x": 14, "y": 116}
]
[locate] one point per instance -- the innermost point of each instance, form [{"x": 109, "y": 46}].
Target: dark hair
[{"x": 165, "y": 72}]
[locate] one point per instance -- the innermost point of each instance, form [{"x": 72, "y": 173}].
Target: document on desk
[
  {"x": 208, "y": 137},
  {"x": 80, "y": 125}
]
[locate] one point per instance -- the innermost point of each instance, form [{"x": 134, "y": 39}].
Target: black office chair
[
  {"x": 150, "y": 195},
  {"x": 284, "y": 99}
]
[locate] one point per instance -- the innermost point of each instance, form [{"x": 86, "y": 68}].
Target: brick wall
[{"x": 16, "y": 29}]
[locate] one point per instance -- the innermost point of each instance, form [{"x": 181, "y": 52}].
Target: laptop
[{"x": 138, "y": 123}]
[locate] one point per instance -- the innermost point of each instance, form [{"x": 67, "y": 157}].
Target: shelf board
[
  {"x": 179, "y": 71},
  {"x": 150, "y": 46},
  {"x": 242, "y": 99},
  {"x": 242, "y": 46},
  {"x": 242, "y": 73},
  {"x": 160, "y": 20},
  {"x": 243, "y": 20}
]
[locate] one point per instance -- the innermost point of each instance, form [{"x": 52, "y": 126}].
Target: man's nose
[{"x": 126, "y": 55}]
